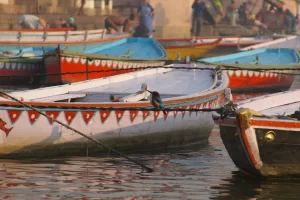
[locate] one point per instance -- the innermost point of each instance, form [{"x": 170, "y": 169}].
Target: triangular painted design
[
  {"x": 14, "y": 115},
  {"x": 191, "y": 107},
  {"x": 156, "y": 114},
  {"x": 145, "y": 114},
  {"x": 69, "y": 115},
  {"x": 33, "y": 115},
  {"x": 119, "y": 114},
  {"x": 104, "y": 114},
  {"x": 183, "y": 112},
  {"x": 175, "y": 112},
  {"x": 166, "y": 115},
  {"x": 198, "y": 106},
  {"x": 52, "y": 114},
  {"x": 87, "y": 116},
  {"x": 133, "y": 114}
]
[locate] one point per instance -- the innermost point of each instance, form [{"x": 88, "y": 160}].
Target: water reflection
[{"x": 206, "y": 172}]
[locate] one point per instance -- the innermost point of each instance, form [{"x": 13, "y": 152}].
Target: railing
[
  {"x": 51, "y": 37},
  {"x": 103, "y": 4}
]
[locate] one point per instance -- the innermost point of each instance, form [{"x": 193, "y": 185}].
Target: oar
[{"x": 149, "y": 170}]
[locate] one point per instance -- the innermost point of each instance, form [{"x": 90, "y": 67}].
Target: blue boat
[
  {"x": 133, "y": 48},
  {"x": 85, "y": 62},
  {"x": 251, "y": 75},
  {"x": 19, "y": 66},
  {"x": 128, "y": 51}
]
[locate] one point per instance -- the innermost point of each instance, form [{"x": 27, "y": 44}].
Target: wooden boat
[
  {"x": 117, "y": 57},
  {"x": 82, "y": 106},
  {"x": 235, "y": 41},
  {"x": 18, "y": 67},
  {"x": 35, "y": 38},
  {"x": 37, "y": 30},
  {"x": 262, "y": 135},
  {"x": 184, "y": 47},
  {"x": 289, "y": 42},
  {"x": 256, "y": 80}
]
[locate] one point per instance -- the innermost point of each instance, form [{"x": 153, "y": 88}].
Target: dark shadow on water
[{"x": 243, "y": 186}]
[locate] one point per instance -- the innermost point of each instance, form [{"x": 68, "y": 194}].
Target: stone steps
[{"x": 94, "y": 18}]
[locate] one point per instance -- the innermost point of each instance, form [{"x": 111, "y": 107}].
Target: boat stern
[{"x": 240, "y": 141}]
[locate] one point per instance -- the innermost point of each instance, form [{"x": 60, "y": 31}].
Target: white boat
[
  {"x": 262, "y": 135},
  {"x": 288, "y": 42},
  {"x": 34, "y": 38},
  {"x": 82, "y": 106}
]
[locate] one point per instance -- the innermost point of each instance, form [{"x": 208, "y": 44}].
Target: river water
[{"x": 203, "y": 173}]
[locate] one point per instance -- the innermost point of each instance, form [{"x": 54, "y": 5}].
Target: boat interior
[
  {"x": 258, "y": 57},
  {"x": 185, "y": 42},
  {"x": 275, "y": 106},
  {"x": 136, "y": 48},
  {"x": 22, "y": 51},
  {"x": 131, "y": 87},
  {"x": 290, "y": 42}
]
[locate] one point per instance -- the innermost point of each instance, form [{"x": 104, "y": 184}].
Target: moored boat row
[{"x": 104, "y": 87}]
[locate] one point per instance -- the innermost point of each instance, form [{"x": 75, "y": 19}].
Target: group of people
[
  {"x": 34, "y": 22},
  {"x": 145, "y": 27},
  {"x": 145, "y": 15}
]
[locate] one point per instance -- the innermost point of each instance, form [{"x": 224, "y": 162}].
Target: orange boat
[
  {"x": 250, "y": 75},
  {"x": 184, "y": 47}
]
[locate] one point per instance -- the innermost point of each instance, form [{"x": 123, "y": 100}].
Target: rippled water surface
[{"x": 205, "y": 173}]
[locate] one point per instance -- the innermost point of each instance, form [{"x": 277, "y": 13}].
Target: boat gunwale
[
  {"x": 194, "y": 45},
  {"x": 32, "y": 43},
  {"x": 37, "y": 30},
  {"x": 219, "y": 60},
  {"x": 210, "y": 92},
  {"x": 163, "y": 57},
  {"x": 265, "y": 44}
]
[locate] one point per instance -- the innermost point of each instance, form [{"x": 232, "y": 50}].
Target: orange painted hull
[
  {"x": 71, "y": 69},
  {"x": 259, "y": 81}
]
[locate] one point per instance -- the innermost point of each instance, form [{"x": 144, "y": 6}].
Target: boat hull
[
  {"x": 250, "y": 81},
  {"x": 21, "y": 72},
  {"x": 193, "y": 50},
  {"x": 34, "y": 135},
  {"x": 71, "y": 69},
  {"x": 260, "y": 146}
]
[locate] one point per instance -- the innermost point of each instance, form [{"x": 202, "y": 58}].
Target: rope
[
  {"x": 219, "y": 68},
  {"x": 131, "y": 108},
  {"x": 149, "y": 170}
]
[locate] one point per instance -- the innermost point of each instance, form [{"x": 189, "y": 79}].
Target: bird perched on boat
[{"x": 156, "y": 101}]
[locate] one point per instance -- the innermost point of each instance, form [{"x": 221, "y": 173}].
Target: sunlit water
[{"x": 204, "y": 173}]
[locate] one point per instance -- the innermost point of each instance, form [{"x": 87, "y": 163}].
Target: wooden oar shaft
[{"x": 78, "y": 132}]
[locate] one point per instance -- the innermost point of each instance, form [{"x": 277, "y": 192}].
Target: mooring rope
[
  {"x": 149, "y": 170},
  {"x": 220, "y": 68}
]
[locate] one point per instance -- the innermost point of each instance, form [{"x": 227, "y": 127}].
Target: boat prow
[
  {"x": 115, "y": 110},
  {"x": 262, "y": 135}
]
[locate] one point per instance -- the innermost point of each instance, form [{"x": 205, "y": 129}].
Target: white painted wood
[
  {"x": 57, "y": 36},
  {"x": 271, "y": 101},
  {"x": 286, "y": 42},
  {"x": 59, "y": 97},
  {"x": 36, "y": 132}
]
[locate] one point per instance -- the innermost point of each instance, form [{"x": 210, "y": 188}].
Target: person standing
[
  {"x": 231, "y": 13},
  {"x": 80, "y": 11},
  {"x": 146, "y": 14},
  {"x": 198, "y": 10}
]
